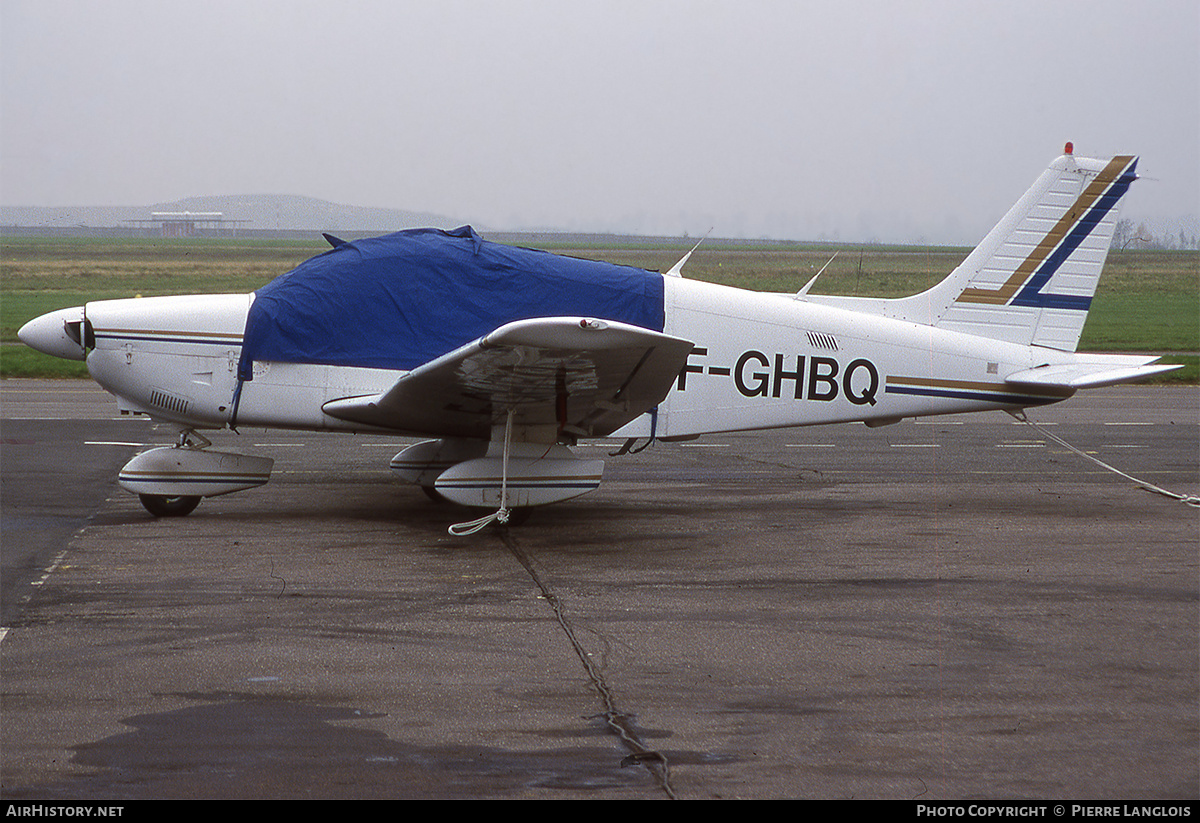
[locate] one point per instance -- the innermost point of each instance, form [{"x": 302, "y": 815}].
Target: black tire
[
  {"x": 160, "y": 505},
  {"x": 433, "y": 494}
]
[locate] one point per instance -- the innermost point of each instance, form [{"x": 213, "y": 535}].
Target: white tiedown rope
[
  {"x": 1191, "y": 500},
  {"x": 501, "y": 514}
]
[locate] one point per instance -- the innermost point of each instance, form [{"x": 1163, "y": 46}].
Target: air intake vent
[
  {"x": 169, "y": 402},
  {"x": 822, "y": 341}
]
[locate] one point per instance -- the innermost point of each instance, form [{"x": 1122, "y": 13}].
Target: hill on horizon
[{"x": 259, "y": 211}]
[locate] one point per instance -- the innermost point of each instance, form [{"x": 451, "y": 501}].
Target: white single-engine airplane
[{"x": 506, "y": 357}]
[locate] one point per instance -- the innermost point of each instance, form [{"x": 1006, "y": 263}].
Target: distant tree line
[{"x": 1129, "y": 236}]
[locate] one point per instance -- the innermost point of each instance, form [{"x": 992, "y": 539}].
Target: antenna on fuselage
[
  {"x": 800, "y": 295},
  {"x": 677, "y": 269}
]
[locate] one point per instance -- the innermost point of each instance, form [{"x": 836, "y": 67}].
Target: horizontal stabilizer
[{"x": 1093, "y": 372}]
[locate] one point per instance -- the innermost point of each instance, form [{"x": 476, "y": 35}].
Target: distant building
[{"x": 191, "y": 224}]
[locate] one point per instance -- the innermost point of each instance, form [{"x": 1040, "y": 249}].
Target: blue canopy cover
[{"x": 401, "y": 300}]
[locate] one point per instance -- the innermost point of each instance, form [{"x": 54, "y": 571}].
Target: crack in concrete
[{"x": 619, "y": 723}]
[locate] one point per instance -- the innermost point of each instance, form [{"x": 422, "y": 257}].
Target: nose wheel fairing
[{"x": 164, "y": 475}]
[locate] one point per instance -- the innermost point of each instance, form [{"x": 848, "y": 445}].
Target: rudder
[{"x": 1032, "y": 279}]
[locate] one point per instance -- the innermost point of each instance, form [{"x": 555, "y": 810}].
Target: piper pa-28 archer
[{"x": 506, "y": 357}]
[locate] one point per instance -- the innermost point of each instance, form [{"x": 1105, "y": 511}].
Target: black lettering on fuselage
[
  {"x": 689, "y": 368},
  {"x": 866, "y": 395},
  {"x": 761, "y": 379},
  {"x": 812, "y": 378},
  {"x": 822, "y": 374},
  {"x": 796, "y": 376}
]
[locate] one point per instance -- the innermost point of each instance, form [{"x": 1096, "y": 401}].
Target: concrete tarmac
[{"x": 951, "y": 609}]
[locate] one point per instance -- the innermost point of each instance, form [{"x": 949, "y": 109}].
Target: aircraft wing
[
  {"x": 581, "y": 376},
  {"x": 1091, "y": 371}
]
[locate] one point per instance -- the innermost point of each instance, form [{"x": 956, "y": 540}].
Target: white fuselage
[
  {"x": 769, "y": 361},
  {"x": 507, "y": 365},
  {"x": 760, "y": 361}
]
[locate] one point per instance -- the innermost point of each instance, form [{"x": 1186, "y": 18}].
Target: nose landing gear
[
  {"x": 170, "y": 480},
  {"x": 160, "y": 505}
]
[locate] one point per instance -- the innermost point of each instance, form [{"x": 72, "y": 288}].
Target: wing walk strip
[
  {"x": 1070, "y": 231},
  {"x": 967, "y": 390}
]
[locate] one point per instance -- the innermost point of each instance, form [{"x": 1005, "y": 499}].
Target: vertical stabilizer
[{"x": 1032, "y": 279}]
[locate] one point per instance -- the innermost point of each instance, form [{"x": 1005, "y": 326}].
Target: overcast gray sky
[{"x": 868, "y": 119}]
